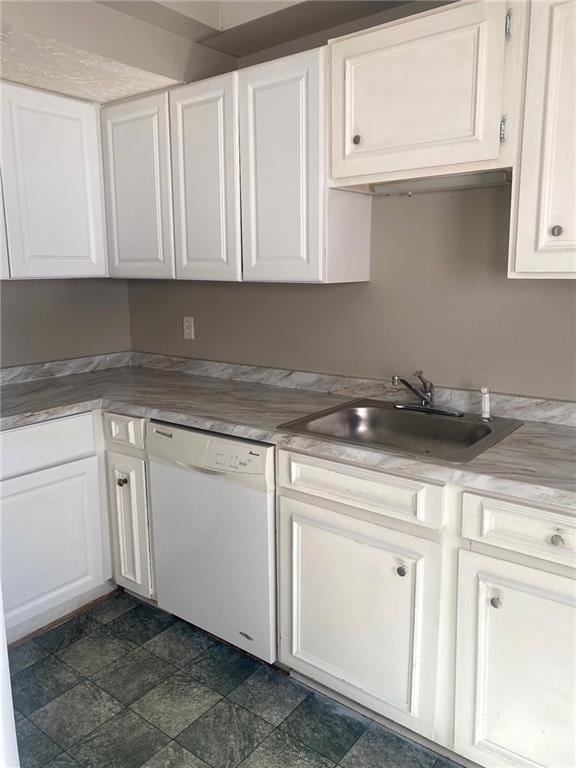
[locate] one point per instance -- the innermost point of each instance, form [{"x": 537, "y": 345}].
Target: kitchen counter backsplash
[{"x": 513, "y": 406}]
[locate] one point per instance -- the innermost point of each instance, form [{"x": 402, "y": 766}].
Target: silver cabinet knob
[
  {"x": 496, "y": 602},
  {"x": 557, "y": 540},
  {"x": 356, "y": 139},
  {"x": 122, "y": 481},
  {"x": 402, "y": 570},
  {"x": 556, "y": 230}
]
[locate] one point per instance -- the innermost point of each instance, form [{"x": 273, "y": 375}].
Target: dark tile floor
[{"x": 126, "y": 685}]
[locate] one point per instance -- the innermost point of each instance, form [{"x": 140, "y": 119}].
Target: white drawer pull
[{"x": 557, "y": 540}]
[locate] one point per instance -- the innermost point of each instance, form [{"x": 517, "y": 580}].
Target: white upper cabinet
[
  {"x": 293, "y": 228},
  {"x": 52, "y": 179},
  {"x": 138, "y": 185},
  {"x": 421, "y": 92},
  {"x": 206, "y": 178},
  {"x": 515, "y": 698},
  {"x": 282, "y": 151},
  {"x": 543, "y": 240},
  {"x": 4, "y": 267}
]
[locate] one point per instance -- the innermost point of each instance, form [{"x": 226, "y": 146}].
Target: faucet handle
[
  {"x": 395, "y": 380},
  {"x": 425, "y": 383}
]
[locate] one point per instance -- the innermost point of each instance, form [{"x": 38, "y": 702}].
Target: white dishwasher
[{"x": 212, "y": 501}]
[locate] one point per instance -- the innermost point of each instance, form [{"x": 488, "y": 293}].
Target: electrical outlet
[{"x": 189, "y": 328}]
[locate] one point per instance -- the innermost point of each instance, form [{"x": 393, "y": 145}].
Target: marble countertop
[{"x": 536, "y": 463}]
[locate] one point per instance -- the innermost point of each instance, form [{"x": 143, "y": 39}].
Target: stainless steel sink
[{"x": 380, "y": 424}]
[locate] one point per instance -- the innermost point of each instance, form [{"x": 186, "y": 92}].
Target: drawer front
[
  {"x": 124, "y": 430},
  {"x": 55, "y": 442},
  {"x": 518, "y": 527},
  {"x": 396, "y": 497}
]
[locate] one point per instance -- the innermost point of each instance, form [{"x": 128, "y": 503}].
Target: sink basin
[{"x": 379, "y": 424}]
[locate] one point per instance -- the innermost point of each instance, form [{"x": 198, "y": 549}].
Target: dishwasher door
[{"x": 214, "y": 545}]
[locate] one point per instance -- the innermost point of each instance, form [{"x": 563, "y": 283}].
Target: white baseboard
[{"x": 42, "y": 620}]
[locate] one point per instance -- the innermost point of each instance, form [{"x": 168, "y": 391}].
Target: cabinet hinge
[
  {"x": 508, "y": 26},
  {"x": 503, "y": 135}
]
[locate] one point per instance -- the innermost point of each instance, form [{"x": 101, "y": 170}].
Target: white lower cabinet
[
  {"x": 360, "y": 610},
  {"x": 52, "y": 543},
  {"x": 515, "y": 693},
  {"x": 129, "y": 521}
]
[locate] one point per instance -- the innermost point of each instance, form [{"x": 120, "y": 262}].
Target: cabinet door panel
[
  {"x": 4, "y": 268},
  {"x": 359, "y": 610},
  {"x": 52, "y": 548},
  {"x": 206, "y": 170},
  {"x": 547, "y": 186},
  {"x": 515, "y": 697},
  {"x": 419, "y": 92},
  {"x": 138, "y": 187},
  {"x": 282, "y": 150},
  {"x": 52, "y": 185},
  {"x": 130, "y": 528}
]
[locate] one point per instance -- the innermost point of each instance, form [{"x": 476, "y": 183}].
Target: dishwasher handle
[{"x": 170, "y": 435}]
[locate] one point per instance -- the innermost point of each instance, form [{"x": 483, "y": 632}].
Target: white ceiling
[
  {"x": 41, "y": 62},
  {"x": 227, "y": 14}
]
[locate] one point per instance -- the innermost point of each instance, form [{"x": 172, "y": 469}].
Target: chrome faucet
[{"x": 425, "y": 394}]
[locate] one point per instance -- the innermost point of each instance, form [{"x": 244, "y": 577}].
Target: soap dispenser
[{"x": 485, "y": 404}]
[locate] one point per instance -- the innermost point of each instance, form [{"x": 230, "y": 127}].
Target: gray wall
[
  {"x": 43, "y": 320},
  {"x": 439, "y": 300}
]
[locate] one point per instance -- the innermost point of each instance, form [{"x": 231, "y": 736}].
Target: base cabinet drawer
[
  {"x": 515, "y": 695},
  {"x": 129, "y": 523},
  {"x": 401, "y": 498},
  {"x": 519, "y": 528},
  {"x": 126, "y": 431},
  {"x": 359, "y": 610},
  {"x": 27, "y": 449},
  {"x": 52, "y": 543}
]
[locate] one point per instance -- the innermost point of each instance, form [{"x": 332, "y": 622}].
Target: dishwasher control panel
[{"x": 234, "y": 457}]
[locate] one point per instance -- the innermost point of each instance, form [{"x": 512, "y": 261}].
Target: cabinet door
[
  {"x": 52, "y": 185},
  {"x": 515, "y": 696},
  {"x": 138, "y": 186},
  {"x": 130, "y": 528},
  {"x": 282, "y": 125},
  {"x": 544, "y": 240},
  {"x": 206, "y": 175},
  {"x": 52, "y": 547},
  {"x": 4, "y": 268},
  {"x": 359, "y": 610},
  {"x": 419, "y": 92}
]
